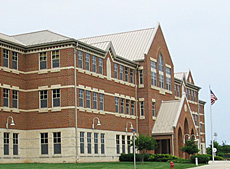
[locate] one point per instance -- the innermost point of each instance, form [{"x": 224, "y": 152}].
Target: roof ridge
[
  {"x": 100, "y": 42},
  {"x": 117, "y": 33},
  {"x": 167, "y": 101}
]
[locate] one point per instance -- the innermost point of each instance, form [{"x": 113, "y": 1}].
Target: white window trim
[
  {"x": 12, "y": 60},
  {"x": 40, "y": 99},
  {"x": 8, "y": 57},
  {"x": 52, "y": 99},
  {"x": 39, "y": 55},
  {"x": 58, "y": 59}
]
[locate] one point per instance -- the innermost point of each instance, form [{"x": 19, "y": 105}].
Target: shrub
[
  {"x": 162, "y": 157},
  {"x": 202, "y": 158},
  {"x": 129, "y": 157},
  {"x": 181, "y": 160},
  {"x": 215, "y": 158}
]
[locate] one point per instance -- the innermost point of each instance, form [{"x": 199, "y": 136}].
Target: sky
[{"x": 197, "y": 33}]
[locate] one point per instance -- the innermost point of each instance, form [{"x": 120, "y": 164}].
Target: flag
[{"x": 213, "y": 97}]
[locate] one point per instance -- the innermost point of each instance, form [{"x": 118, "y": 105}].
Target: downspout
[
  {"x": 75, "y": 93},
  {"x": 173, "y": 142},
  {"x": 137, "y": 130},
  {"x": 198, "y": 132}
]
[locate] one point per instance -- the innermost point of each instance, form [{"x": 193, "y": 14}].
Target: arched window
[
  {"x": 161, "y": 71},
  {"x": 161, "y": 63}
]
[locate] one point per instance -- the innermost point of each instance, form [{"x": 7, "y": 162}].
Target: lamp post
[
  {"x": 185, "y": 136},
  {"x": 12, "y": 122},
  {"x": 131, "y": 126},
  {"x": 98, "y": 122},
  {"x": 134, "y": 149}
]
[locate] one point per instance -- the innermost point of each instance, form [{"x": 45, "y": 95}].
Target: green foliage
[
  {"x": 162, "y": 157},
  {"x": 130, "y": 157},
  {"x": 190, "y": 147},
  {"x": 202, "y": 158},
  {"x": 221, "y": 149},
  {"x": 180, "y": 160}
]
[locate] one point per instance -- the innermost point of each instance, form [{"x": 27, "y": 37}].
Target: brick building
[{"x": 75, "y": 100}]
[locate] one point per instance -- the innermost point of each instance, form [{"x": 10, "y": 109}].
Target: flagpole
[{"x": 211, "y": 125}]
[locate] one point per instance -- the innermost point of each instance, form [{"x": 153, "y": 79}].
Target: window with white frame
[
  {"x": 80, "y": 59},
  {"x": 126, "y": 74},
  {"x": 142, "y": 113},
  {"x": 132, "y": 107},
  {"x": 101, "y": 102},
  {"x": 128, "y": 144},
  {"x": 161, "y": 71},
  {"x": 127, "y": 106},
  {"x": 15, "y": 98},
  {"x": 55, "y": 59},
  {"x": 153, "y": 73},
  {"x": 118, "y": 144},
  {"x": 82, "y": 143},
  {"x": 43, "y": 60},
  {"x": 5, "y": 58},
  {"x": 15, "y": 60},
  {"x": 6, "y": 97},
  {"x": 153, "y": 109},
  {"x": 57, "y": 142},
  {"x": 87, "y": 61},
  {"x": 192, "y": 98},
  {"x": 161, "y": 63},
  {"x": 121, "y": 72},
  {"x": 168, "y": 78},
  {"x": 115, "y": 71},
  {"x": 102, "y": 143},
  {"x": 122, "y": 106},
  {"x": 44, "y": 143},
  {"x": 81, "y": 98},
  {"x": 100, "y": 65},
  {"x": 131, "y": 76},
  {"x": 161, "y": 81},
  {"x": 89, "y": 146},
  {"x": 95, "y": 143},
  {"x": 43, "y": 99},
  {"x": 88, "y": 99},
  {"x": 6, "y": 141},
  {"x": 123, "y": 143},
  {"x": 141, "y": 77},
  {"x": 56, "y": 98},
  {"x": 178, "y": 90},
  {"x": 116, "y": 104},
  {"x": 15, "y": 143},
  {"x": 94, "y": 62},
  {"x": 195, "y": 95},
  {"x": 201, "y": 128},
  {"x": 94, "y": 100}
]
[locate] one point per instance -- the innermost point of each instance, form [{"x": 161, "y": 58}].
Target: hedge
[
  {"x": 162, "y": 157},
  {"x": 130, "y": 157},
  {"x": 202, "y": 158}
]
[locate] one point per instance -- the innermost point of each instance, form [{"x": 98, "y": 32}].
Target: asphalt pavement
[{"x": 215, "y": 165}]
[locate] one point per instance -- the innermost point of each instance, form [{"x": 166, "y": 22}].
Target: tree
[
  {"x": 190, "y": 147},
  {"x": 145, "y": 143}
]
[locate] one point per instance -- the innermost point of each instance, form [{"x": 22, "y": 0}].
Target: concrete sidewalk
[{"x": 215, "y": 165}]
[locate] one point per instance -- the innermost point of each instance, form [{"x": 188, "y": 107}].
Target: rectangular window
[
  {"x": 189, "y": 94},
  {"x": 121, "y": 72},
  {"x": 153, "y": 109},
  {"x": 88, "y": 99},
  {"x": 82, "y": 143},
  {"x": 127, "y": 106},
  {"x": 201, "y": 129},
  {"x": 15, "y": 98},
  {"x": 15, "y": 60},
  {"x": 56, "y": 98},
  {"x": 43, "y": 60},
  {"x": 6, "y": 97},
  {"x": 168, "y": 71},
  {"x": 153, "y": 65},
  {"x": 80, "y": 59},
  {"x": 123, "y": 144},
  {"x": 142, "y": 108},
  {"x": 15, "y": 143},
  {"x": 195, "y": 96},
  {"x": 192, "y": 95},
  {"x": 141, "y": 76},
  {"x": 128, "y": 144},
  {"x": 43, "y": 99},
  {"x": 81, "y": 98},
  {"x": 102, "y": 143},
  {"x": 89, "y": 143},
  {"x": 117, "y": 105},
  {"x": 175, "y": 90},
  {"x": 161, "y": 81},
  {"x": 131, "y": 76},
  {"x": 55, "y": 59},
  {"x": 87, "y": 61},
  {"x": 94, "y": 63},
  {"x": 153, "y": 78},
  {"x": 168, "y": 83},
  {"x": 115, "y": 71},
  {"x": 5, "y": 58},
  {"x": 132, "y": 107},
  {"x": 95, "y": 143},
  {"x": 122, "y": 106},
  {"x": 118, "y": 143},
  {"x": 6, "y": 143},
  {"x": 126, "y": 74},
  {"x": 178, "y": 90},
  {"x": 57, "y": 142},
  {"x": 44, "y": 143},
  {"x": 100, "y": 65},
  {"x": 101, "y": 102},
  {"x": 94, "y": 100}
]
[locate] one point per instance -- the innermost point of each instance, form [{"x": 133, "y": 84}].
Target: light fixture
[
  {"x": 131, "y": 126},
  {"x": 12, "y": 122},
  {"x": 98, "y": 122}
]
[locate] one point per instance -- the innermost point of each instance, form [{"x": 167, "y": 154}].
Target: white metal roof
[
  {"x": 180, "y": 75},
  {"x": 10, "y": 39},
  {"x": 168, "y": 114},
  {"x": 39, "y": 37},
  {"x": 130, "y": 45}
]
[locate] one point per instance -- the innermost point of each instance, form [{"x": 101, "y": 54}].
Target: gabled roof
[
  {"x": 167, "y": 116},
  {"x": 10, "y": 39},
  {"x": 181, "y": 75},
  {"x": 131, "y": 45},
  {"x": 40, "y": 37}
]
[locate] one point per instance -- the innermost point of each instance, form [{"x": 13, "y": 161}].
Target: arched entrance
[{"x": 180, "y": 142}]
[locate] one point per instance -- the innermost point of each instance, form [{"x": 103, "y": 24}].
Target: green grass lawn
[{"x": 112, "y": 165}]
